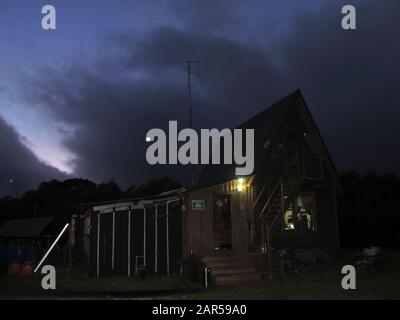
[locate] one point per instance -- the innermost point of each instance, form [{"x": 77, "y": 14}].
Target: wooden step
[
  {"x": 231, "y": 279},
  {"x": 227, "y": 257},
  {"x": 232, "y": 270},
  {"x": 228, "y": 264}
]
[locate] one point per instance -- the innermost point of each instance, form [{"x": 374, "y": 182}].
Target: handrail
[
  {"x": 283, "y": 208},
  {"x": 276, "y": 186},
  {"x": 271, "y": 195},
  {"x": 258, "y": 198}
]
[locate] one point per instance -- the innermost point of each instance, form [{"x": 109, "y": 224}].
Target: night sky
[{"x": 78, "y": 101}]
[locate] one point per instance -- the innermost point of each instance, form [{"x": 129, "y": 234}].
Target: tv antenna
[{"x": 190, "y": 72}]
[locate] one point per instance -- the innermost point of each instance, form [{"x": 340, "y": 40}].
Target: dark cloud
[
  {"x": 112, "y": 111},
  {"x": 349, "y": 79},
  {"x": 19, "y": 164}
]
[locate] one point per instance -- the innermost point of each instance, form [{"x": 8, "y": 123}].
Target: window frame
[{"x": 295, "y": 212}]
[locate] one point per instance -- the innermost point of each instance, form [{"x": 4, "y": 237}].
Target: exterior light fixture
[{"x": 240, "y": 184}]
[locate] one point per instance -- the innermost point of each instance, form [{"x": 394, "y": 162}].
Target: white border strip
[{"x": 51, "y": 248}]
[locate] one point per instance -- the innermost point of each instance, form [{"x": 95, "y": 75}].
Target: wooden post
[
  {"x": 269, "y": 253},
  {"x": 262, "y": 233},
  {"x": 70, "y": 247}
]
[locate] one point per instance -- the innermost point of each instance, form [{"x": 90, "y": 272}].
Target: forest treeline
[{"x": 68, "y": 197}]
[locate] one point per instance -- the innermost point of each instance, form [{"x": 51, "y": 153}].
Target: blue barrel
[
  {"x": 14, "y": 253},
  {"x": 20, "y": 253}
]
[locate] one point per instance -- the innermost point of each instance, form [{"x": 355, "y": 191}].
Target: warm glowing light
[{"x": 240, "y": 185}]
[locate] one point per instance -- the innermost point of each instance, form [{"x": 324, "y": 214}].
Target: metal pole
[
  {"x": 98, "y": 245},
  {"x": 190, "y": 93},
  {"x": 129, "y": 242},
  {"x": 144, "y": 235},
  {"x": 206, "y": 277},
  {"x": 269, "y": 253},
  {"x": 167, "y": 226},
  {"x": 113, "y": 240},
  {"x": 155, "y": 242},
  {"x": 189, "y": 74}
]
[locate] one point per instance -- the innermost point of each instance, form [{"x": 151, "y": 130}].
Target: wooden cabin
[
  {"x": 289, "y": 201},
  {"x": 230, "y": 224}
]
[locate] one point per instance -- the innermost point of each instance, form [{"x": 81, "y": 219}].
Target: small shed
[
  {"x": 136, "y": 235},
  {"x": 26, "y": 229},
  {"x": 23, "y": 240}
]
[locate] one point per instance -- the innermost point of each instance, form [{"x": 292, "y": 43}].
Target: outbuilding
[{"x": 129, "y": 237}]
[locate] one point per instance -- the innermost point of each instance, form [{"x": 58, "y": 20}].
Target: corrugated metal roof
[
  {"x": 138, "y": 201},
  {"x": 24, "y": 228}
]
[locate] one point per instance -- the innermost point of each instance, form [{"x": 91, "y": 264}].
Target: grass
[
  {"x": 320, "y": 282},
  {"x": 79, "y": 284}
]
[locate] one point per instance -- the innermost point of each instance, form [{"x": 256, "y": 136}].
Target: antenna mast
[{"x": 190, "y": 72}]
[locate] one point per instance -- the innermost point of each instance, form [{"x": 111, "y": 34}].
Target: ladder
[
  {"x": 278, "y": 201},
  {"x": 274, "y": 208}
]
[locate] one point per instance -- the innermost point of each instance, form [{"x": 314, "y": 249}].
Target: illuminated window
[
  {"x": 300, "y": 216},
  {"x": 289, "y": 222},
  {"x": 305, "y": 214}
]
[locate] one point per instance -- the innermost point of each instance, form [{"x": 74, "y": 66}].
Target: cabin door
[{"x": 222, "y": 228}]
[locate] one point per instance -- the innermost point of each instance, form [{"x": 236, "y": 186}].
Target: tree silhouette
[{"x": 64, "y": 198}]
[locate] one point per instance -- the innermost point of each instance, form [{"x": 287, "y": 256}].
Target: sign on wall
[{"x": 198, "y": 205}]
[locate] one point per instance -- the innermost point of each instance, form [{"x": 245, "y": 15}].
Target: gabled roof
[
  {"x": 24, "y": 228},
  {"x": 267, "y": 126}
]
